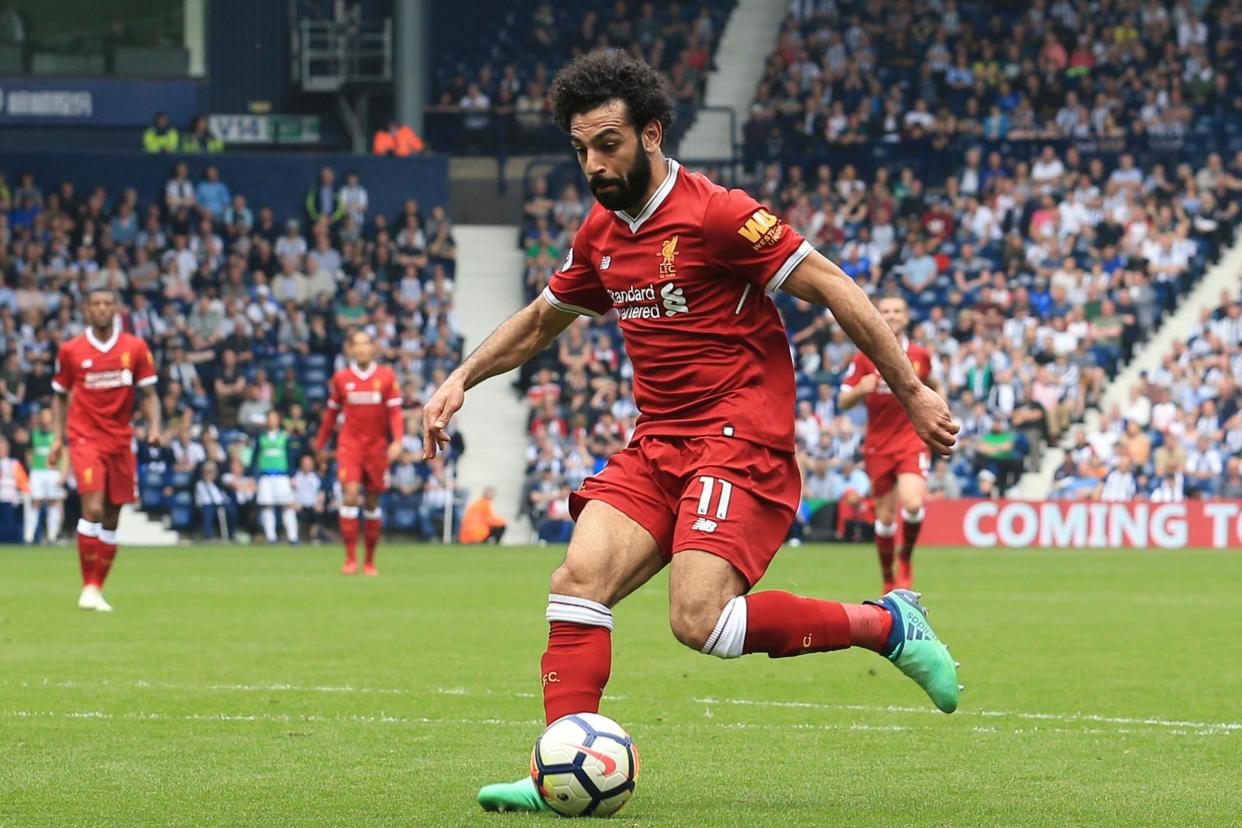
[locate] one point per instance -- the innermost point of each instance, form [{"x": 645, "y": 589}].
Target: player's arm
[
  {"x": 520, "y": 337},
  {"x": 854, "y": 388},
  {"x": 817, "y": 280},
  {"x": 331, "y": 411},
  {"x": 396, "y": 421},
  {"x": 151, "y": 411}
]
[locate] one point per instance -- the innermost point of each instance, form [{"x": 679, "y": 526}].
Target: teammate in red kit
[
  {"x": 709, "y": 484},
  {"x": 96, "y": 374},
  {"x": 366, "y": 399},
  {"x": 896, "y": 459}
]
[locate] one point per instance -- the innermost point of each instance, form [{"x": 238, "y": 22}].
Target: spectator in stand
[
  {"x": 323, "y": 200},
  {"x": 161, "y": 136},
  {"x": 212, "y": 194},
  {"x": 309, "y": 499},
  {"x": 217, "y": 513},
  {"x": 199, "y": 137},
  {"x": 397, "y": 139},
  {"x": 353, "y": 198}
]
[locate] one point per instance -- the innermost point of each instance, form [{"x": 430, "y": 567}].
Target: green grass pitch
[{"x": 260, "y": 687}]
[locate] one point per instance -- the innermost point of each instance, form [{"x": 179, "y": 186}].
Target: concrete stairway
[
  {"x": 1224, "y": 276},
  {"x": 493, "y": 420},
  {"x": 745, "y": 44}
]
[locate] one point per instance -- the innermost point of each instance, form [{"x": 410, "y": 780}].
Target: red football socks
[
  {"x": 349, "y": 533},
  {"x": 910, "y": 534},
  {"x": 782, "y": 624},
  {"x": 575, "y": 668},
  {"x": 106, "y": 552},
  {"x": 370, "y": 535},
  {"x": 88, "y": 540}
]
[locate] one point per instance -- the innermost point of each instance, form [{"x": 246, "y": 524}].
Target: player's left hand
[
  {"x": 156, "y": 439},
  {"x": 932, "y": 420},
  {"x": 394, "y": 451}
]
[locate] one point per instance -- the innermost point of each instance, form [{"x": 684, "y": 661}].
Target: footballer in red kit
[
  {"x": 96, "y": 376},
  {"x": 896, "y": 459},
  {"x": 365, "y": 401},
  {"x": 709, "y": 484}
]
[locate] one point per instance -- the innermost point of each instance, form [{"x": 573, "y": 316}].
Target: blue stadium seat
[
  {"x": 181, "y": 512},
  {"x": 316, "y": 393},
  {"x": 181, "y": 480}
]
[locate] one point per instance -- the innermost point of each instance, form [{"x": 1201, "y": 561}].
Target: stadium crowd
[
  {"x": 848, "y": 72},
  {"x": 1180, "y": 434},
  {"x": 505, "y": 81},
  {"x": 245, "y": 312},
  {"x": 1030, "y": 280}
]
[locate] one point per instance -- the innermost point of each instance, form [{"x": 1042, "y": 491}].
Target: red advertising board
[{"x": 1021, "y": 524}]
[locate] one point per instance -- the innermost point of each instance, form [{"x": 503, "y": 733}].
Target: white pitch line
[
  {"x": 293, "y": 719},
  {"x": 1051, "y": 717}
]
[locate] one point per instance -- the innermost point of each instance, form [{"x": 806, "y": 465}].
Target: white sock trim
[
  {"x": 914, "y": 517},
  {"x": 373, "y": 514},
  {"x": 349, "y": 511},
  {"x": 108, "y": 536},
  {"x": 729, "y": 636},
  {"x": 90, "y": 530},
  {"x": 885, "y": 530},
  {"x": 578, "y": 611}
]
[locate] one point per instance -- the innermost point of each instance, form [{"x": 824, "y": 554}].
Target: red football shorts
[
  {"x": 370, "y": 468},
  {"x": 884, "y": 466},
  {"x": 99, "y": 470},
  {"x": 721, "y": 495}
]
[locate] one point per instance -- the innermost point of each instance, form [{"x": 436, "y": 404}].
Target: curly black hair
[{"x": 603, "y": 75}]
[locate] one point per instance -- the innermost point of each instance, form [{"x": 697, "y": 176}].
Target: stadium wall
[
  {"x": 1052, "y": 524},
  {"x": 279, "y": 181}
]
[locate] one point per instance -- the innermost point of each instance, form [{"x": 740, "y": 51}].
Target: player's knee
[
  {"x": 578, "y": 581},
  {"x": 692, "y": 618}
]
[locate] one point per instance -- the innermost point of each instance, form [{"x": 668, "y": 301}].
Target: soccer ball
[{"x": 584, "y": 765}]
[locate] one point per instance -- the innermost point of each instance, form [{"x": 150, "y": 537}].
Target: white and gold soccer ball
[{"x": 585, "y": 765}]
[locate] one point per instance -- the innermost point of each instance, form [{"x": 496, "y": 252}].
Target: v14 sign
[{"x": 1213, "y": 524}]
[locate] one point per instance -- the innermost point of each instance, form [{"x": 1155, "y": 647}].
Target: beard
[{"x": 627, "y": 189}]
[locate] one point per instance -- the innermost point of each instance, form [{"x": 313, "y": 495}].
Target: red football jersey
[
  {"x": 888, "y": 426},
  {"x": 689, "y": 277},
  {"x": 102, "y": 376},
  {"x": 365, "y": 400}
]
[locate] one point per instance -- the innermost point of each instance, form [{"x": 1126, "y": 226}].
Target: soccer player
[
  {"x": 271, "y": 460},
  {"x": 709, "y": 484},
  {"x": 366, "y": 398},
  {"x": 896, "y": 458},
  {"x": 47, "y": 482},
  {"x": 96, "y": 374}
]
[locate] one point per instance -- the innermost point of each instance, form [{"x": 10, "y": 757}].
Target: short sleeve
[
  {"x": 747, "y": 239},
  {"x": 144, "y": 373},
  {"x": 857, "y": 370},
  {"x": 392, "y": 391},
  {"x": 334, "y": 393},
  {"x": 63, "y": 380},
  {"x": 576, "y": 286}
]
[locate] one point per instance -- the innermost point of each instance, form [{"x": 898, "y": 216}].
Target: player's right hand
[
  {"x": 867, "y": 384},
  {"x": 932, "y": 420},
  {"x": 53, "y": 454},
  {"x": 437, "y": 414}
]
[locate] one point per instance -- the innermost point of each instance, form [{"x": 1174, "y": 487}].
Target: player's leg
[
  {"x": 883, "y": 488},
  {"x": 610, "y": 555},
  {"x": 351, "y": 494},
  {"x": 911, "y": 494},
  {"x": 88, "y": 469},
  {"x": 289, "y": 515},
  {"x": 267, "y": 512},
  {"x": 107, "y": 548},
  {"x": 54, "y": 518},
  {"x": 728, "y": 528},
  {"x": 373, "y": 524},
  {"x": 30, "y": 520}
]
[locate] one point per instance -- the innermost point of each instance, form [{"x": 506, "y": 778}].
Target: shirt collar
[
  {"x": 653, "y": 203},
  {"x": 104, "y": 347},
  {"x": 353, "y": 366}
]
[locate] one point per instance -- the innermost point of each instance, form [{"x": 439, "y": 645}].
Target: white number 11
[{"x": 705, "y": 499}]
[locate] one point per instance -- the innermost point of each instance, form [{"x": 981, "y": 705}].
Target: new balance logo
[
  {"x": 674, "y": 300},
  {"x": 605, "y": 262},
  {"x": 704, "y": 525}
]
